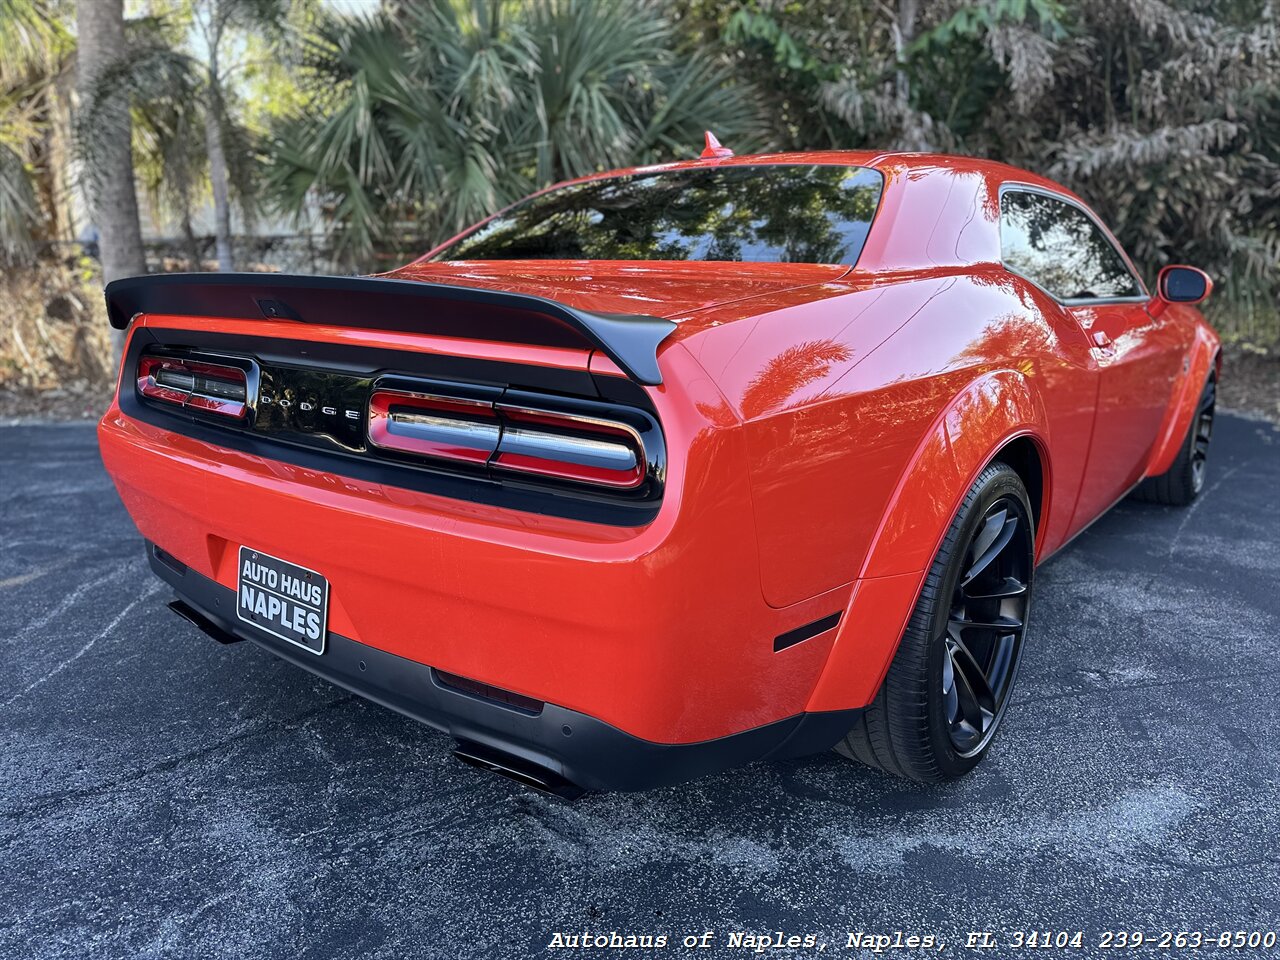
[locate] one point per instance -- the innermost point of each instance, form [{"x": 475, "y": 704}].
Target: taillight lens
[
  {"x": 584, "y": 446},
  {"x": 570, "y": 447},
  {"x": 215, "y": 388},
  {"x": 450, "y": 428}
]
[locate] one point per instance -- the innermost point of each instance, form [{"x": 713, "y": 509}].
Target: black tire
[
  {"x": 1183, "y": 481},
  {"x": 916, "y": 726}
]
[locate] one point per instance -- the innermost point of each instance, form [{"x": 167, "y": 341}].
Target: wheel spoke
[
  {"x": 1001, "y": 625},
  {"x": 970, "y": 677},
  {"x": 1006, "y": 589},
  {"x": 1202, "y": 432},
  {"x": 1204, "y": 415},
  {"x": 994, "y": 548},
  {"x": 950, "y": 699},
  {"x": 991, "y": 529},
  {"x": 976, "y": 706},
  {"x": 985, "y": 627},
  {"x": 1204, "y": 428}
]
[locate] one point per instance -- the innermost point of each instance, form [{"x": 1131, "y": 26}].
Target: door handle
[{"x": 1100, "y": 339}]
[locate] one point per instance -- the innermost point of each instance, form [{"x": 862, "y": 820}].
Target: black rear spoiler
[{"x": 401, "y": 305}]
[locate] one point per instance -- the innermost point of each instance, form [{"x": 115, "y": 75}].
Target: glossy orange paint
[
  {"x": 601, "y": 619},
  {"x": 823, "y": 423}
]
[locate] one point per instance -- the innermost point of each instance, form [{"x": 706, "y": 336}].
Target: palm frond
[
  {"x": 32, "y": 40},
  {"x": 436, "y": 113},
  {"x": 19, "y": 209}
]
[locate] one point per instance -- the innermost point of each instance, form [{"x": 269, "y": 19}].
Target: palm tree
[
  {"x": 20, "y": 212},
  {"x": 34, "y": 49},
  {"x": 185, "y": 100},
  {"x": 218, "y": 21},
  {"x": 424, "y": 117},
  {"x": 100, "y": 30}
]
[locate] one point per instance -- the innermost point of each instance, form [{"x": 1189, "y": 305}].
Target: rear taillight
[
  {"x": 570, "y": 447},
  {"x": 203, "y": 385},
  {"x": 516, "y": 433},
  {"x": 449, "y": 428}
]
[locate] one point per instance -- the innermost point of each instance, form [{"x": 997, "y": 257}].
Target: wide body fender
[
  {"x": 987, "y": 415},
  {"x": 1202, "y": 357}
]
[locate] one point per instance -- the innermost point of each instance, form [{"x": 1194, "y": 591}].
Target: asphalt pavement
[{"x": 164, "y": 796}]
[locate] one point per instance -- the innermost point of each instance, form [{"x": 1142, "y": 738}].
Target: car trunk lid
[{"x": 672, "y": 290}]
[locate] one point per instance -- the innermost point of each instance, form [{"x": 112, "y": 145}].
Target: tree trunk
[
  {"x": 904, "y": 31},
  {"x": 60, "y": 153},
  {"x": 190, "y": 242},
  {"x": 218, "y": 176},
  {"x": 112, "y": 197}
]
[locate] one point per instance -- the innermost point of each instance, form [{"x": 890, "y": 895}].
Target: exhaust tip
[
  {"x": 523, "y": 772},
  {"x": 202, "y": 623}
]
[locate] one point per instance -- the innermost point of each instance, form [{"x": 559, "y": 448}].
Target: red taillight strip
[
  {"x": 453, "y": 428},
  {"x": 586, "y": 449},
  {"x": 583, "y": 451},
  {"x": 211, "y": 387},
  {"x": 507, "y": 437}
]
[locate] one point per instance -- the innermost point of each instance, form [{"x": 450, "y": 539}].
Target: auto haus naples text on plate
[{"x": 282, "y": 598}]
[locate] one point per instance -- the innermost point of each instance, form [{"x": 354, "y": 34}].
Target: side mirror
[{"x": 1178, "y": 284}]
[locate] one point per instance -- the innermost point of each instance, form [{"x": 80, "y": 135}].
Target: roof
[
  {"x": 874, "y": 159},
  {"x": 926, "y": 200}
]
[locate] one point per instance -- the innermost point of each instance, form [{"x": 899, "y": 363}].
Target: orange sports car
[{"x": 673, "y": 468}]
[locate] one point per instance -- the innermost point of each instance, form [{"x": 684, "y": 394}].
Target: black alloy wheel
[
  {"x": 951, "y": 679},
  {"x": 983, "y": 636},
  {"x": 1202, "y": 433}
]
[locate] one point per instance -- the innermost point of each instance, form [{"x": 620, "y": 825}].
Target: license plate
[{"x": 284, "y": 599}]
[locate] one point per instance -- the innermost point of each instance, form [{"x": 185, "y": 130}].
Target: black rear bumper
[{"x": 578, "y": 748}]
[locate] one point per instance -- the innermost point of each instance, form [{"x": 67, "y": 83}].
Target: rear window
[{"x": 789, "y": 214}]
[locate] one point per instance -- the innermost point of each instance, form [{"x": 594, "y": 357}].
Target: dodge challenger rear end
[{"x": 603, "y": 488}]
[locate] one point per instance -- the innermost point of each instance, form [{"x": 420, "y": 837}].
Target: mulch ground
[
  {"x": 82, "y": 401},
  {"x": 1251, "y": 382}
]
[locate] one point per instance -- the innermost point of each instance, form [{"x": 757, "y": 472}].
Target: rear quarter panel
[{"x": 868, "y": 413}]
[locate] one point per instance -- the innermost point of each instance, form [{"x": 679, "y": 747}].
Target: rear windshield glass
[{"x": 790, "y": 214}]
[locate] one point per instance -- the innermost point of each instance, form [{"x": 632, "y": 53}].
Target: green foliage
[
  {"x": 975, "y": 21},
  {"x": 184, "y": 67},
  {"x": 19, "y": 207},
  {"x": 32, "y": 41},
  {"x": 420, "y": 116},
  {"x": 425, "y": 117},
  {"x": 748, "y": 26},
  {"x": 161, "y": 84},
  {"x": 1165, "y": 114},
  {"x": 33, "y": 48}
]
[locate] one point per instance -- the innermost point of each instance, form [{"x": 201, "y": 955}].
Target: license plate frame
[{"x": 278, "y": 597}]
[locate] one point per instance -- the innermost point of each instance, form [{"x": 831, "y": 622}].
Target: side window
[{"x": 1057, "y": 247}]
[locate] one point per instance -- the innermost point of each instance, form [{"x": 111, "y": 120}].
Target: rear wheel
[
  {"x": 949, "y": 684},
  {"x": 1183, "y": 481}
]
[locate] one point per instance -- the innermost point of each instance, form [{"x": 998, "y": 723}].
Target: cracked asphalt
[{"x": 163, "y": 796}]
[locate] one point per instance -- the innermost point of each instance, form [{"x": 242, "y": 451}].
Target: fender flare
[
  {"x": 943, "y": 467},
  {"x": 1204, "y": 356}
]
